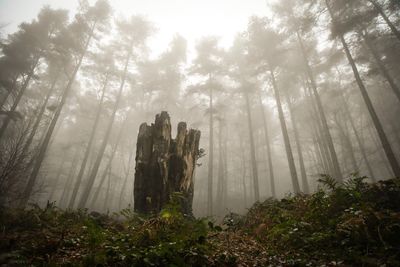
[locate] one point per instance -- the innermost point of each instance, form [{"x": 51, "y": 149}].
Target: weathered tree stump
[{"x": 164, "y": 165}]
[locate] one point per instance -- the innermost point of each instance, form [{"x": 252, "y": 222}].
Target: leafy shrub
[
  {"x": 54, "y": 237},
  {"x": 353, "y": 223},
  {"x": 356, "y": 222}
]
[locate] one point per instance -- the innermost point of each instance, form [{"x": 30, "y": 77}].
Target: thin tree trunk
[
  {"x": 315, "y": 124},
  {"x": 380, "y": 151},
  {"x": 268, "y": 144},
  {"x": 243, "y": 160},
  {"x": 110, "y": 160},
  {"x": 69, "y": 180},
  {"x": 324, "y": 152},
  {"x": 211, "y": 155},
  {"x": 244, "y": 185},
  {"x": 306, "y": 188},
  {"x": 21, "y": 92},
  {"x": 220, "y": 170},
  {"x": 385, "y": 18},
  {"x": 382, "y": 68},
  {"x": 316, "y": 153},
  {"x": 318, "y": 130},
  {"x": 4, "y": 100},
  {"x": 288, "y": 148},
  {"x": 107, "y": 197},
  {"x": 381, "y": 65},
  {"x": 354, "y": 129},
  {"x": 252, "y": 149},
  {"x": 89, "y": 146},
  {"x": 39, "y": 116},
  {"x": 225, "y": 173},
  {"x": 59, "y": 174},
  {"x": 93, "y": 174},
  {"x": 121, "y": 197},
  {"x": 49, "y": 133},
  {"x": 100, "y": 186},
  {"x": 378, "y": 126},
  {"x": 395, "y": 130},
  {"x": 347, "y": 146},
  {"x": 326, "y": 132}
]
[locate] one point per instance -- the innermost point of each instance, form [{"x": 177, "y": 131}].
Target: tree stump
[{"x": 164, "y": 165}]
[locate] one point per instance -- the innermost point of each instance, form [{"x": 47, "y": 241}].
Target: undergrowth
[
  {"x": 349, "y": 224},
  {"x": 354, "y": 223}
]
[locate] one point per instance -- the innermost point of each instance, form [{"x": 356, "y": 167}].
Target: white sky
[{"x": 190, "y": 18}]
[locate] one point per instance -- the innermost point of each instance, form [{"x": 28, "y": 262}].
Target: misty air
[{"x": 200, "y": 133}]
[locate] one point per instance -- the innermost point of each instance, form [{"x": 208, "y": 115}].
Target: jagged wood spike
[{"x": 164, "y": 165}]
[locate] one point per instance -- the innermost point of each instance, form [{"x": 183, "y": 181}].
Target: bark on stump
[{"x": 164, "y": 165}]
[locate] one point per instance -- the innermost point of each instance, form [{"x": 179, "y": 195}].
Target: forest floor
[{"x": 353, "y": 224}]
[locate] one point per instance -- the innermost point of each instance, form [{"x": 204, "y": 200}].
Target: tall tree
[
  {"x": 381, "y": 12},
  {"x": 133, "y": 36},
  {"x": 242, "y": 72},
  {"x": 110, "y": 159},
  {"x": 84, "y": 29},
  {"x": 207, "y": 65},
  {"x": 375, "y": 119},
  {"x": 103, "y": 65},
  {"x": 382, "y": 68},
  {"x": 26, "y": 48},
  {"x": 268, "y": 45},
  {"x": 268, "y": 145},
  {"x": 303, "y": 172}
]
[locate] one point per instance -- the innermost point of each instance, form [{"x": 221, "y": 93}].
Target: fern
[{"x": 328, "y": 181}]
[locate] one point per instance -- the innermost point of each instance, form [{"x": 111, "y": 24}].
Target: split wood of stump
[{"x": 164, "y": 165}]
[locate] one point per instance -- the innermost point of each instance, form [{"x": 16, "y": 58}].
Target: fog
[{"x": 283, "y": 92}]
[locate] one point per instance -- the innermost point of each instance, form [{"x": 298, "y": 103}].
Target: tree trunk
[
  {"x": 110, "y": 160},
  {"x": 304, "y": 181},
  {"x": 326, "y": 133},
  {"x": 381, "y": 66},
  {"x": 378, "y": 126},
  {"x": 100, "y": 186},
  {"x": 220, "y": 170},
  {"x": 122, "y": 193},
  {"x": 21, "y": 92},
  {"x": 316, "y": 129},
  {"x": 318, "y": 155},
  {"x": 93, "y": 173},
  {"x": 210, "y": 156},
  {"x": 42, "y": 152},
  {"x": 225, "y": 173},
  {"x": 385, "y": 18},
  {"x": 107, "y": 197},
  {"x": 347, "y": 145},
  {"x": 9, "y": 91},
  {"x": 70, "y": 179},
  {"x": 358, "y": 138},
  {"x": 252, "y": 149},
  {"x": 244, "y": 168},
  {"x": 288, "y": 148},
  {"x": 381, "y": 153},
  {"x": 89, "y": 146},
  {"x": 58, "y": 176},
  {"x": 319, "y": 130},
  {"x": 164, "y": 165},
  {"x": 269, "y": 152},
  {"x": 39, "y": 116}
]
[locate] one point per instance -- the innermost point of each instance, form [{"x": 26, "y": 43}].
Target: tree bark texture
[{"x": 164, "y": 165}]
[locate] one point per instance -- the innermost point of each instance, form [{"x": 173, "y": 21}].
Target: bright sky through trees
[{"x": 190, "y": 18}]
